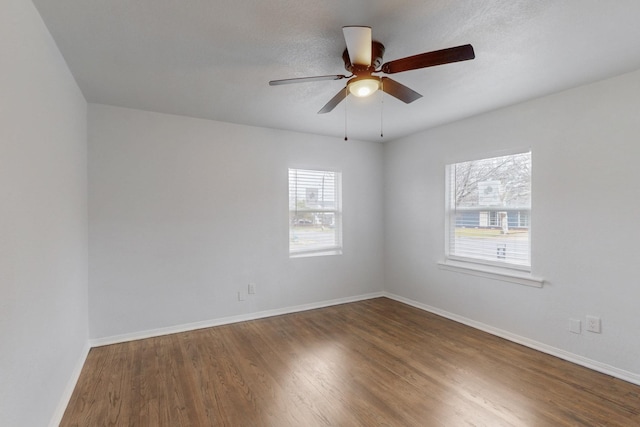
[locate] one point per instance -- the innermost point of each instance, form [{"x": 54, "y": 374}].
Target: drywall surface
[
  {"x": 185, "y": 213},
  {"x": 585, "y": 234},
  {"x": 43, "y": 220}
]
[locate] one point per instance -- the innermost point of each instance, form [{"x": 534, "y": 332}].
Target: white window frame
[
  {"x": 334, "y": 208},
  {"x": 504, "y": 271}
]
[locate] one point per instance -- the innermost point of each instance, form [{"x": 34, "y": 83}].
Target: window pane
[
  {"x": 312, "y": 231},
  {"x": 490, "y": 207},
  {"x": 314, "y": 211}
]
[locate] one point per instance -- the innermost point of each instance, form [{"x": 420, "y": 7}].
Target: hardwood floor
[{"x": 370, "y": 363}]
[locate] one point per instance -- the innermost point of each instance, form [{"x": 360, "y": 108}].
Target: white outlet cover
[
  {"x": 593, "y": 324},
  {"x": 575, "y": 326}
]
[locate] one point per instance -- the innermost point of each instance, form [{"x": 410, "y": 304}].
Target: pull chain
[
  {"x": 346, "y": 101},
  {"x": 381, "y": 106}
]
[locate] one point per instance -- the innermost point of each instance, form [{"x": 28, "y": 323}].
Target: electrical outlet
[
  {"x": 575, "y": 326},
  {"x": 251, "y": 289},
  {"x": 593, "y": 324},
  {"x": 241, "y": 296}
]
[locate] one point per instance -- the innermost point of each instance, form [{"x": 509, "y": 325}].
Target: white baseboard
[
  {"x": 562, "y": 354},
  {"x": 98, "y": 342},
  {"x": 71, "y": 385}
]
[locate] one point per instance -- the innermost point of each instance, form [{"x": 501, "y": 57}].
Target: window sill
[
  {"x": 489, "y": 272},
  {"x": 323, "y": 252}
]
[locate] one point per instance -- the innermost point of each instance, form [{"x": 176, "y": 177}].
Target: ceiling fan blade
[
  {"x": 358, "y": 44},
  {"x": 334, "y": 101},
  {"x": 399, "y": 90},
  {"x": 306, "y": 79},
  {"x": 430, "y": 59}
]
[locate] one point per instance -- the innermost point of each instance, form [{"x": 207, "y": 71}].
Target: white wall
[
  {"x": 186, "y": 212},
  {"x": 586, "y": 206},
  {"x": 43, "y": 221}
]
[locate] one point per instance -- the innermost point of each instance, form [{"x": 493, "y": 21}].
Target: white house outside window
[
  {"x": 315, "y": 215},
  {"x": 489, "y": 211}
]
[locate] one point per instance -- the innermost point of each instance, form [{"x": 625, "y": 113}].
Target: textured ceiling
[{"x": 213, "y": 58}]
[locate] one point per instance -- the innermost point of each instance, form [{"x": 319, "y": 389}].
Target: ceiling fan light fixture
[
  {"x": 364, "y": 87},
  {"x": 363, "y": 57}
]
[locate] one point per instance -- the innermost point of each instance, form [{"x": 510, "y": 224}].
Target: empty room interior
[{"x": 319, "y": 213}]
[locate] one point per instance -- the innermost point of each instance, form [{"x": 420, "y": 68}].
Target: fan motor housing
[{"x": 377, "y": 52}]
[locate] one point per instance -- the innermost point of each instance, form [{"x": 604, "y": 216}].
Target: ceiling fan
[{"x": 363, "y": 56}]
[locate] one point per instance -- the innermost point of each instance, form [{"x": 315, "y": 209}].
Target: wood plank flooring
[{"x": 371, "y": 363}]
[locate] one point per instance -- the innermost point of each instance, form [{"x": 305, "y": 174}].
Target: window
[
  {"x": 315, "y": 216},
  {"x": 489, "y": 211}
]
